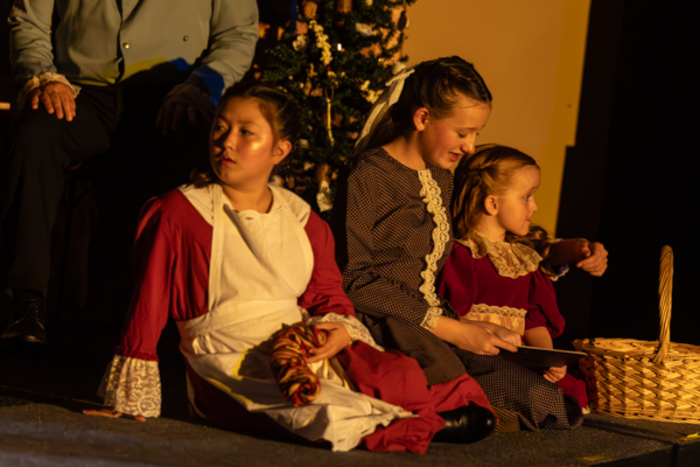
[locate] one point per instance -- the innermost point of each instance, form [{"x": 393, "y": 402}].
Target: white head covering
[{"x": 388, "y": 98}]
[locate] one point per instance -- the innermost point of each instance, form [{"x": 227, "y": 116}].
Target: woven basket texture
[{"x": 653, "y": 380}]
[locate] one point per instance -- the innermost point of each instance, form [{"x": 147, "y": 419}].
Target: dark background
[{"x": 630, "y": 182}]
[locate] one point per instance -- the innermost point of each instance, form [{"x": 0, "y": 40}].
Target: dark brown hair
[
  {"x": 281, "y": 111},
  {"x": 438, "y": 85},
  {"x": 489, "y": 171}
]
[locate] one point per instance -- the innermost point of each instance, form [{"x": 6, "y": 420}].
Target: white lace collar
[{"x": 509, "y": 259}]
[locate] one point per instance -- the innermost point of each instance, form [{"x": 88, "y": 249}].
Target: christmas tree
[{"x": 335, "y": 57}]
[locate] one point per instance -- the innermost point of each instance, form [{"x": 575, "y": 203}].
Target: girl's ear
[
  {"x": 420, "y": 118},
  {"x": 491, "y": 205},
  {"x": 282, "y": 150}
]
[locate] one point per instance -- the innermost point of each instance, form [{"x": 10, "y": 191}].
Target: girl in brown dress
[{"x": 393, "y": 230}]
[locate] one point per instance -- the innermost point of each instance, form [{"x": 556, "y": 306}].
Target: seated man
[{"x": 85, "y": 68}]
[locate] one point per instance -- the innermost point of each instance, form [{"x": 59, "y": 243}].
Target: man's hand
[
  {"x": 57, "y": 99},
  {"x": 185, "y": 103}
]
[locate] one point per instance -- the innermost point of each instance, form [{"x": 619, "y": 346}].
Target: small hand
[
  {"x": 555, "y": 373},
  {"x": 57, "y": 98},
  {"x": 596, "y": 259},
  {"x": 186, "y": 101},
  {"x": 338, "y": 338},
  {"x": 111, "y": 413}
]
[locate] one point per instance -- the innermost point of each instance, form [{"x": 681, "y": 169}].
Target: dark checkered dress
[{"x": 385, "y": 234}]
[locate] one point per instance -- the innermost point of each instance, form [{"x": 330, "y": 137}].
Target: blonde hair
[{"x": 489, "y": 171}]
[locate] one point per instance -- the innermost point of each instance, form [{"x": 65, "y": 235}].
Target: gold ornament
[
  {"x": 312, "y": 72},
  {"x": 323, "y": 196},
  {"x": 321, "y": 174},
  {"x": 343, "y": 6},
  {"x": 329, "y": 122},
  {"x": 309, "y": 9},
  {"x": 262, "y": 29}
]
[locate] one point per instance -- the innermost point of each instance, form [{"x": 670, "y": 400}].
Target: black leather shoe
[
  {"x": 466, "y": 425},
  {"x": 28, "y": 324}
]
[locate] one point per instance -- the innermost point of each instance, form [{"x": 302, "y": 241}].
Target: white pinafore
[{"x": 260, "y": 264}]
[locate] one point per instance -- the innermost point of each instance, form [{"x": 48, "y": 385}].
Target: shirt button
[
  {"x": 126, "y": 45},
  {"x": 186, "y": 38}
]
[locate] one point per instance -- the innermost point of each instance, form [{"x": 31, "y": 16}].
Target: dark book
[{"x": 537, "y": 359}]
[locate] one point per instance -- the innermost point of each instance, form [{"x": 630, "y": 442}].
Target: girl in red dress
[{"x": 500, "y": 268}]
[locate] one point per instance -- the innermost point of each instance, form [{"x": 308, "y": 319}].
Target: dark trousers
[{"x": 42, "y": 149}]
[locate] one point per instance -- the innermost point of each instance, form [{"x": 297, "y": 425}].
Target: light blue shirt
[{"x": 99, "y": 43}]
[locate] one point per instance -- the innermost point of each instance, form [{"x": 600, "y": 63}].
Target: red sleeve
[
  {"x": 171, "y": 271},
  {"x": 153, "y": 262},
  {"x": 543, "y": 310},
  {"x": 324, "y": 294},
  {"x": 458, "y": 279}
]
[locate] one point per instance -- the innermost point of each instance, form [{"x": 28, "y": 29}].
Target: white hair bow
[{"x": 388, "y": 98}]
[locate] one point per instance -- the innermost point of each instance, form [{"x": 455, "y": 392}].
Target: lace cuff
[
  {"x": 555, "y": 273},
  {"x": 47, "y": 77},
  {"x": 431, "y": 318},
  {"x": 357, "y": 330},
  {"x": 132, "y": 386}
]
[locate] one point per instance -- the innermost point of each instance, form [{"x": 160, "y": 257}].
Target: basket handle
[{"x": 665, "y": 288}]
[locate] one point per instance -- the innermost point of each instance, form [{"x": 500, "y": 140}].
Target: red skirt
[{"x": 389, "y": 376}]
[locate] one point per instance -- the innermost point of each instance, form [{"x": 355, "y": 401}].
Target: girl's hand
[
  {"x": 555, "y": 373},
  {"x": 501, "y": 332},
  {"x": 338, "y": 339},
  {"x": 112, "y": 413},
  {"x": 473, "y": 337},
  {"x": 596, "y": 259}
]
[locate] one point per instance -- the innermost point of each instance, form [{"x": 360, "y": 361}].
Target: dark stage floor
[{"x": 43, "y": 391}]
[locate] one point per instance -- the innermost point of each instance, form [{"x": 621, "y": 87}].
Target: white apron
[{"x": 260, "y": 265}]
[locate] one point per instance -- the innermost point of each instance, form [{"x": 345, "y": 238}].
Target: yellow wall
[{"x": 530, "y": 52}]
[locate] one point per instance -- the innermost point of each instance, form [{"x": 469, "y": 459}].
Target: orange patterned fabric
[{"x": 297, "y": 382}]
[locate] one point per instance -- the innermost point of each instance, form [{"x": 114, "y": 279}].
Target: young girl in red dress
[
  {"x": 500, "y": 267},
  {"x": 233, "y": 261}
]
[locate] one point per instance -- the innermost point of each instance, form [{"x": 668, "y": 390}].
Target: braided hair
[
  {"x": 489, "y": 171},
  {"x": 438, "y": 85},
  {"x": 280, "y": 109}
]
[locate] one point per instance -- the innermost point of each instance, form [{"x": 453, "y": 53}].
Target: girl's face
[
  {"x": 517, "y": 205},
  {"x": 242, "y": 146},
  {"x": 443, "y": 142}
]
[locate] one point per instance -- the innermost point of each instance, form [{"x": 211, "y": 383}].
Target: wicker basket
[{"x": 657, "y": 380}]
